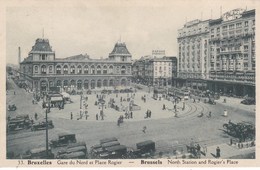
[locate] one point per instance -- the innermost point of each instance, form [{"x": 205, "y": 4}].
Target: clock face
[{"x": 234, "y": 14}]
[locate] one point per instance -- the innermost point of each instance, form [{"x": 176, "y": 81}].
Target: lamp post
[
  {"x": 46, "y": 117},
  {"x": 102, "y": 102}
]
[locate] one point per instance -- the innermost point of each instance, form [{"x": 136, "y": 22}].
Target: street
[{"x": 163, "y": 128}]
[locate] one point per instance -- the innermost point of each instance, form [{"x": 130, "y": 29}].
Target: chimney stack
[{"x": 19, "y": 55}]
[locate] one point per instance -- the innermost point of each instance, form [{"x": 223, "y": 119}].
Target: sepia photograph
[{"x": 147, "y": 81}]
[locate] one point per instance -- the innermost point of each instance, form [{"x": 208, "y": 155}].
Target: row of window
[{"x": 84, "y": 70}]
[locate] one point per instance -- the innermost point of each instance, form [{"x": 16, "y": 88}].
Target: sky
[{"x": 93, "y": 27}]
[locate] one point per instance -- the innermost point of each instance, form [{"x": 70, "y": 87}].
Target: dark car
[
  {"x": 115, "y": 152},
  {"x": 64, "y": 139},
  {"x": 73, "y": 151},
  {"x": 106, "y": 140},
  {"x": 42, "y": 125},
  {"x": 211, "y": 101},
  {"x": 19, "y": 122},
  {"x": 73, "y": 155},
  {"x": 248, "y": 101},
  {"x": 38, "y": 153},
  {"x": 146, "y": 146}
]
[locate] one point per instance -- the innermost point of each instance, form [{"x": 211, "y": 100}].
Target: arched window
[
  {"x": 65, "y": 69},
  {"x": 43, "y": 69},
  {"x": 79, "y": 69},
  {"x": 85, "y": 69},
  {"x": 98, "y": 69},
  {"x": 105, "y": 83},
  {"x": 110, "y": 71},
  {"x": 123, "y": 82},
  {"x": 65, "y": 83},
  {"x": 50, "y": 69},
  {"x": 72, "y": 70},
  {"x": 111, "y": 82},
  {"x": 51, "y": 84},
  {"x": 36, "y": 69},
  {"x": 104, "y": 69},
  {"x": 58, "y": 83},
  {"x": 123, "y": 70},
  {"x": 72, "y": 83},
  {"x": 92, "y": 69},
  {"x": 79, "y": 85},
  {"x": 92, "y": 84},
  {"x": 86, "y": 84},
  {"x": 129, "y": 69},
  {"x": 99, "y": 83},
  {"x": 58, "y": 70}
]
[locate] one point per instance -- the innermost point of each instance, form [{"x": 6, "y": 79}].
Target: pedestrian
[
  {"x": 210, "y": 114},
  {"x": 150, "y": 113},
  {"x": 71, "y": 116},
  {"x": 205, "y": 149},
  {"x": 14, "y": 92},
  {"x": 144, "y": 129},
  {"x": 198, "y": 150},
  {"x": 96, "y": 116},
  {"x": 218, "y": 152},
  {"x": 131, "y": 115},
  {"x": 35, "y": 116},
  {"x": 163, "y": 107}
]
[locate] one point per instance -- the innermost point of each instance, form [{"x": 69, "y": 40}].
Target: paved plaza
[{"x": 163, "y": 127}]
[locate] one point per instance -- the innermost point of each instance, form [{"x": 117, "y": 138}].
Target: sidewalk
[
  {"x": 236, "y": 102},
  {"x": 227, "y": 151}
]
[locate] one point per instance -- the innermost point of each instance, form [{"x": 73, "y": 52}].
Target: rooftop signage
[{"x": 234, "y": 14}]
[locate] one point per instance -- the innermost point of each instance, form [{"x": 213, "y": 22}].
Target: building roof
[
  {"x": 120, "y": 48},
  {"x": 41, "y": 45},
  {"x": 77, "y": 57}
]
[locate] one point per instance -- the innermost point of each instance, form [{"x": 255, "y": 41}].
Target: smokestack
[{"x": 19, "y": 55}]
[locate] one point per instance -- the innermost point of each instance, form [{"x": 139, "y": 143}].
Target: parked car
[
  {"x": 248, "y": 101},
  {"x": 115, "y": 152},
  {"x": 106, "y": 140},
  {"x": 73, "y": 155},
  {"x": 146, "y": 146},
  {"x": 38, "y": 153},
  {"x": 42, "y": 125},
  {"x": 64, "y": 139},
  {"x": 19, "y": 122},
  {"x": 73, "y": 151}
]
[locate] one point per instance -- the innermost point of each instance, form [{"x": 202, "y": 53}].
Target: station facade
[{"x": 42, "y": 70}]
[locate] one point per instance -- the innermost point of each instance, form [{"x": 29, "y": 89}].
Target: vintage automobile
[
  {"x": 241, "y": 130},
  {"x": 211, "y": 101},
  {"x": 89, "y": 92},
  {"x": 41, "y": 125},
  {"x": 115, "y": 152},
  {"x": 73, "y": 155},
  {"x": 38, "y": 153},
  {"x": 19, "y": 122},
  {"x": 110, "y": 144},
  {"x": 73, "y": 148},
  {"x": 146, "y": 146},
  {"x": 12, "y": 107},
  {"x": 106, "y": 140},
  {"x": 248, "y": 101},
  {"x": 64, "y": 139}
]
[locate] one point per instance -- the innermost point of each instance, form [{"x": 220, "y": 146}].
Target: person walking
[
  {"x": 131, "y": 115},
  {"x": 205, "y": 149},
  {"x": 198, "y": 150},
  {"x": 217, "y": 152},
  {"x": 35, "y": 116},
  {"x": 96, "y": 116},
  {"x": 144, "y": 129},
  {"x": 71, "y": 116}
]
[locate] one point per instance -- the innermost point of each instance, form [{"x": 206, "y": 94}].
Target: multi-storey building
[
  {"x": 154, "y": 71},
  {"x": 42, "y": 70},
  {"x": 219, "y": 54},
  {"x": 193, "y": 54},
  {"x": 232, "y": 53}
]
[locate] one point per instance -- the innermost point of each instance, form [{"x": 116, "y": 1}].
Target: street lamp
[
  {"x": 46, "y": 117},
  {"x": 102, "y": 102}
]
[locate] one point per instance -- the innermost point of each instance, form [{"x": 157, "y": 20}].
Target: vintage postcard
[{"x": 127, "y": 83}]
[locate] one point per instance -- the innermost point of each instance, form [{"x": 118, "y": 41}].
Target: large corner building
[{"x": 219, "y": 54}]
